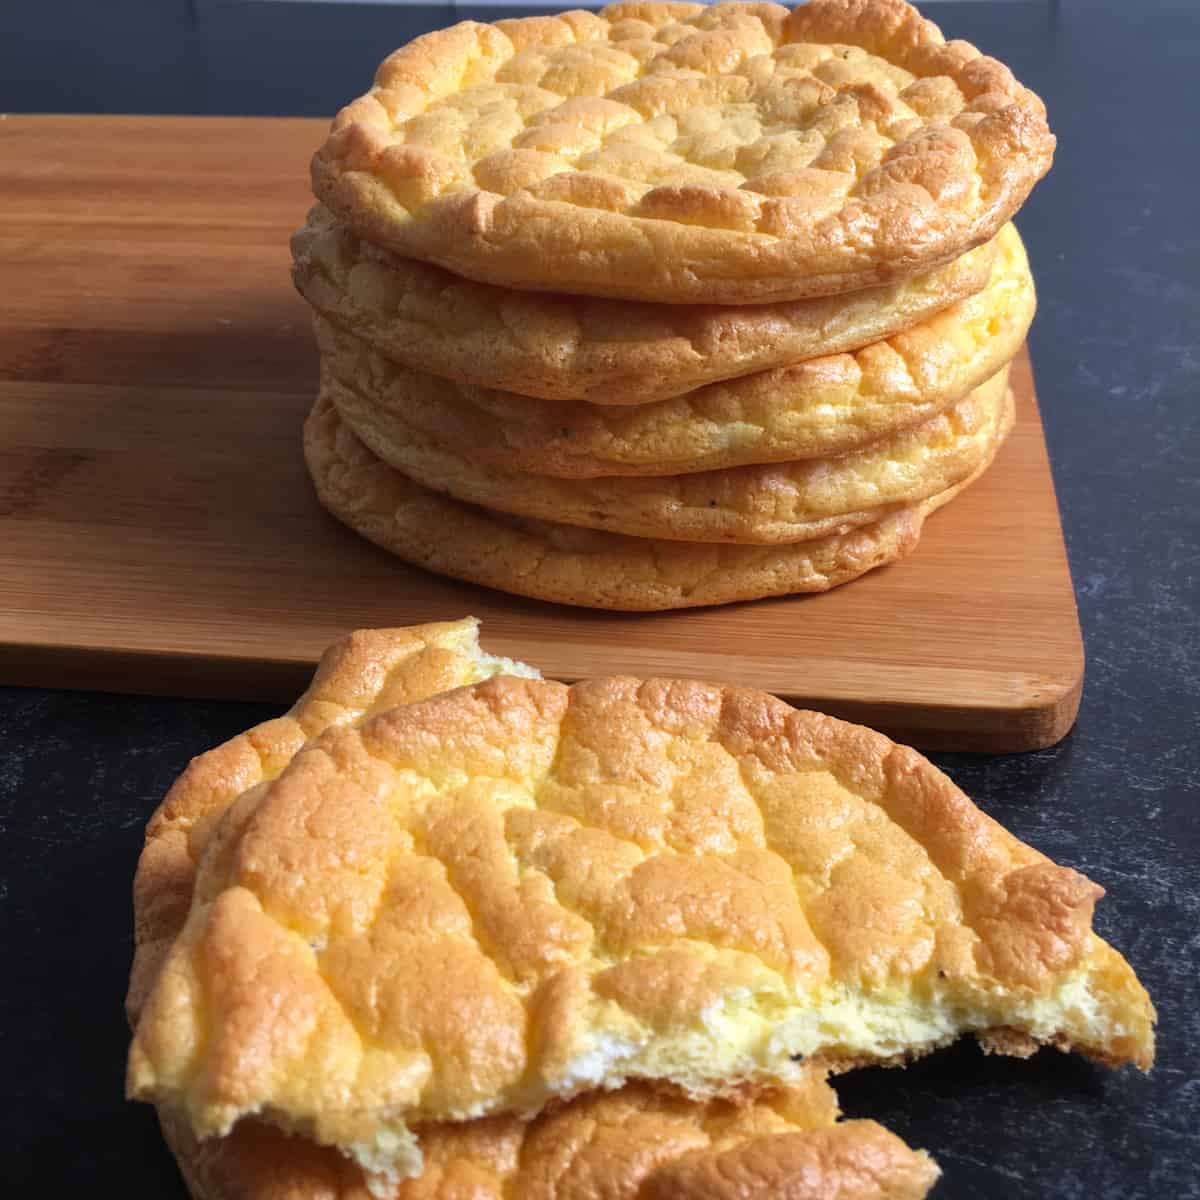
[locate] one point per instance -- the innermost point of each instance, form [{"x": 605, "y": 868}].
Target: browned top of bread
[
  {"x": 733, "y": 153},
  {"x": 633, "y": 1142},
  {"x": 368, "y": 672}
]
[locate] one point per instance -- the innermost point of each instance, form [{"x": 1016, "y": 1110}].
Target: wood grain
[{"x": 158, "y": 532}]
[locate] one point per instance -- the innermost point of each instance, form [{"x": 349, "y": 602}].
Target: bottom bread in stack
[
  {"x": 593, "y": 568},
  {"x": 519, "y": 939},
  {"x": 794, "y": 479}
]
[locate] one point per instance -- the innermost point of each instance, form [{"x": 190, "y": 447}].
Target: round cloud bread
[
  {"x": 826, "y": 406},
  {"x": 762, "y": 505},
  {"x": 635, "y": 1139},
  {"x": 585, "y": 567},
  {"x": 520, "y": 891},
  {"x": 581, "y": 348},
  {"x": 732, "y": 154}
]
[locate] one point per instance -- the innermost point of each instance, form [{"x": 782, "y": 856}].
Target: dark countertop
[{"x": 1113, "y": 238}]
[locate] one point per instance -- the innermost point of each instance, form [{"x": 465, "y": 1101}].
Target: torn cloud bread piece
[
  {"x": 632, "y": 1142},
  {"x": 729, "y": 154},
  {"x": 520, "y": 891}
]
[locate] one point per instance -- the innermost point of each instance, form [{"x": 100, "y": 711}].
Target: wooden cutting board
[{"x": 158, "y": 532}]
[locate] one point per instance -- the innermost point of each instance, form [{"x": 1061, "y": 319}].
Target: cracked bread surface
[
  {"x": 635, "y": 1142},
  {"x": 824, "y": 407},
  {"x": 520, "y": 891},
  {"x": 370, "y": 671},
  {"x": 562, "y": 347},
  {"x": 733, "y": 153},
  {"x": 759, "y": 504},
  {"x": 587, "y": 567}
]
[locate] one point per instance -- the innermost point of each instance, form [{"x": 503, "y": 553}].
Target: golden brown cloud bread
[
  {"x": 582, "y": 348},
  {"x": 520, "y": 891},
  {"x": 733, "y": 153},
  {"x": 815, "y": 409},
  {"x": 587, "y": 567},
  {"x": 631, "y": 1139},
  {"x": 632, "y": 1144},
  {"x": 369, "y": 672},
  {"x": 768, "y": 504}
]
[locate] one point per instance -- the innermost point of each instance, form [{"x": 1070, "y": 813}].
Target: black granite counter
[{"x": 1113, "y": 238}]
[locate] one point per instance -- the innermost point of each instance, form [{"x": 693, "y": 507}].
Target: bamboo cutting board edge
[
  {"x": 936, "y": 705},
  {"x": 1042, "y": 717}
]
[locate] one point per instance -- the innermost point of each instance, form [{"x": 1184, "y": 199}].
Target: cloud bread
[
  {"x": 635, "y": 1141},
  {"x": 731, "y": 154},
  {"x": 369, "y": 672},
  {"x": 586, "y": 567},
  {"x": 582, "y": 348},
  {"x": 520, "y": 891},
  {"x": 765, "y": 505},
  {"x": 632, "y": 1144},
  {"x": 826, "y": 406}
]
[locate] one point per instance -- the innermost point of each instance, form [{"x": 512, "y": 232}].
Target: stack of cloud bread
[
  {"x": 449, "y": 930},
  {"x": 671, "y": 304}
]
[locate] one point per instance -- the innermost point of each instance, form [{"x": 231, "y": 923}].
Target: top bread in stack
[
  {"x": 753, "y": 254},
  {"x": 683, "y": 153}
]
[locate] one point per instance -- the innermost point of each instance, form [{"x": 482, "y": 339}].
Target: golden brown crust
[
  {"x": 567, "y": 565},
  {"x": 561, "y": 347},
  {"x": 734, "y": 153},
  {"x": 457, "y": 909},
  {"x": 828, "y": 406},
  {"x": 758, "y": 505},
  {"x": 615, "y": 1141},
  {"x": 368, "y": 672},
  {"x": 633, "y": 1144}
]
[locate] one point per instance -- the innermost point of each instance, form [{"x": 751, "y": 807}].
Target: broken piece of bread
[
  {"x": 508, "y": 895},
  {"x": 636, "y": 1141}
]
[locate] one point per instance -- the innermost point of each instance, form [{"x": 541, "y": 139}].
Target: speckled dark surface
[{"x": 1113, "y": 237}]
